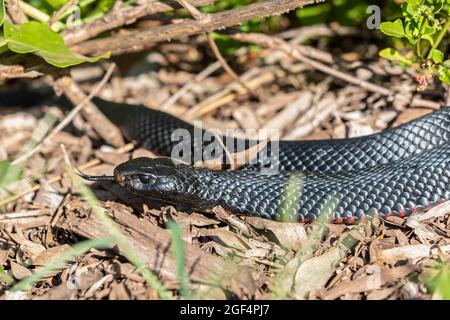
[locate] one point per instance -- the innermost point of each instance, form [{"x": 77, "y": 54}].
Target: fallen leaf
[
  {"x": 380, "y": 294},
  {"x": 226, "y": 237},
  {"x": 45, "y": 257},
  {"x": 19, "y": 272},
  {"x": 315, "y": 272},
  {"x": 289, "y": 234},
  {"x": 420, "y": 230},
  {"x": 435, "y": 212},
  {"x": 410, "y": 252}
]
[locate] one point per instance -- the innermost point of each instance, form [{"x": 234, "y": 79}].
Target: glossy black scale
[{"x": 395, "y": 171}]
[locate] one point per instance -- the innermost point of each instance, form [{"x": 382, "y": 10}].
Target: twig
[
  {"x": 68, "y": 118},
  {"x": 195, "y": 13},
  {"x": 118, "y": 18},
  {"x": 140, "y": 40},
  {"x": 188, "y": 86},
  {"x": 227, "y": 95},
  {"x": 39, "y": 15},
  {"x": 276, "y": 43},
  {"x": 58, "y": 13},
  {"x": 205, "y": 18},
  {"x": 100, "y": 123},
  {"x": 15, "y": 12},
  {"x": 226, "y": 66},
  {"x": 16, "y": 71}
]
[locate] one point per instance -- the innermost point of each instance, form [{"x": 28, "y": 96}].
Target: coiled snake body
[{"x": 396, "y": 172}]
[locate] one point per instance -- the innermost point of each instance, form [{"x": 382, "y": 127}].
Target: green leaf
[
  {"x": 394, "y": 55},
  {"x": 2, "y": 12},
  {"x": 428, "y": 30},
  {"x": 9, "y": 173},
  {"x": 36, "y": 37},
  {"x": 446, "y": 64},
  {"x": 444, "y": 75},
  {"x": 104, "y": 5},
  {"x": 437, "y": 56},
  {"x": 394, "y": 29},
  {"x": 440, "y": 283},
  {"x": 410, "y": 7},
  {"x": 56, "y": 4}
]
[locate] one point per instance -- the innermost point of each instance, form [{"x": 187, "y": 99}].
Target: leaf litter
[{"x": 224, "y": 255}]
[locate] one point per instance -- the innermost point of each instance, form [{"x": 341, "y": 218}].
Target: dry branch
[
  {"x": 58, "y": 13},
  {"x": 16, "y": 71},
  {"x": 140, "y": 40},
  {"x": 15, "y": 12},
  {"x": 100, "y": 123},
  {"x": 118, "y": 18}
]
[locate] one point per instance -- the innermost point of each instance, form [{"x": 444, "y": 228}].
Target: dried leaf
[
  {"x": 420, "y": 230},
  {"x": 289, "y": 234},
  {"x": 315, "y": 272},
  {"x": 435, "y": 212},
  {"x": 377, "y": 277},
  {"x": 45, "y": 257},
  {"x": 227, "y": 238},
  {"x": 19, "y": 272},
  {"x": 410, "y": 252}
]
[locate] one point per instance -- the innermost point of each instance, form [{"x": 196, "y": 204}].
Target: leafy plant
[
  {"x": 423, "y": 26},
  {"x": 37, "y": 37},
  {"x": 437, "y": 278}
]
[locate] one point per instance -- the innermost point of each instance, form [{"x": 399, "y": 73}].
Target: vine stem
[
  {"x": 37, "y": 14},
  {"x": 439, "y": 37},
  {"x": 419, "y": 50}
]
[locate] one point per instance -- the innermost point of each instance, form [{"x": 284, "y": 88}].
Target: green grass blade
[
  {"x": 179, "y": 256},
  {"x": 5, "y": 277}
]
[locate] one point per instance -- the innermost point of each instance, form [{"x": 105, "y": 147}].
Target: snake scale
[{"x": 399, "y": 171}]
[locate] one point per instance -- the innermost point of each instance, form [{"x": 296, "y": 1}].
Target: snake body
[{"x": 395, "y": 172}]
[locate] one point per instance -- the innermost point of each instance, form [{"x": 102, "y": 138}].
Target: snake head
[{"x": 158, "y": 179}]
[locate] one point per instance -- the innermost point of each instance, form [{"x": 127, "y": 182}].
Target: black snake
[{"x": 396, "y": 172}]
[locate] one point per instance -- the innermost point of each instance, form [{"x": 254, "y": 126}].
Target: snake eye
[{"x": 145, "y": 179}]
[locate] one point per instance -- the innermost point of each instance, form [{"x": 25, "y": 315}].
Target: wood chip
[
  {"x": 290, "y": 113},
  {"x": 227, "y": 238},
  {"x": 378, "y": 277},
  {"x": 45, "y": 257},
  {"x": 410, "y": 114},
  {"x": 19, "y": 272},
  {"x": 421, "y": 230},
  {"x": 153, "y": 246},
  {"x": 410, "y": 252},
  {"x": 435, "y": 212}
]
